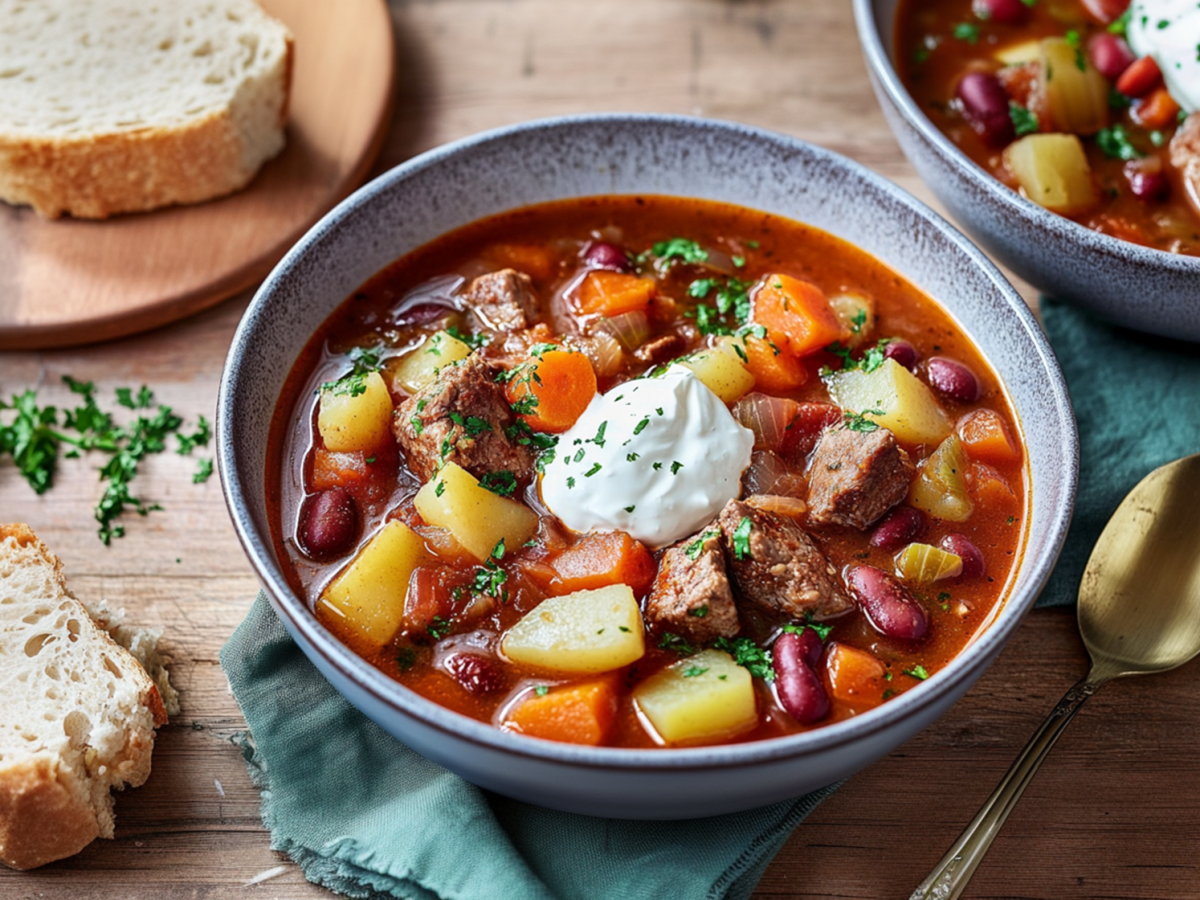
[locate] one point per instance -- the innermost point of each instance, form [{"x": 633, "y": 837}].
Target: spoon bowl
[{"x": 1139, "y": 612}]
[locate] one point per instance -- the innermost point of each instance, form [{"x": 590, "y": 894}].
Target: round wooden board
[{"x": 73, "y": 282}]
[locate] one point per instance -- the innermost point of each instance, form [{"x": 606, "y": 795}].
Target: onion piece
[
  {"x": 768, "y": 474},
  {"x": 768, "y": 417},
  {"x": 605, "y": 353},
  {"x": 631, "y": 329},
  {"x": 793, "y": 507}
]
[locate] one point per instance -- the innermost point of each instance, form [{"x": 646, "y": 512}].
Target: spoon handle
[{"x": 948, "y": 880}]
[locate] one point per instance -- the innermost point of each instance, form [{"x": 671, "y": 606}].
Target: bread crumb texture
[
  {"x": 78, "y": 712},
  {"x": 111, "y": 106}
]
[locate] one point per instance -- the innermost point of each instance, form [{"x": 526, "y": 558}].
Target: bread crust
[
  {"x": 97, "y": 176},
  {"x": 47, "y": 810}
]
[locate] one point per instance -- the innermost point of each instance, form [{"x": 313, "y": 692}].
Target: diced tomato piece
[
  {"x": 986, "y": 438},
  {"x": 613, "y": 293},
  {"x": 603, "y": 558},
  {"x": 1140, "y": 78},
  {"x": 796, "y": 314},
  {"x": 581, "y": 713},
  {"x": 338, "y": 469}
]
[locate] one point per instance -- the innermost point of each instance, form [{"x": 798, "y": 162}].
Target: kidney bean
[
  {"x": 902, "y": 352},
  {"x": 1110, "y": 55},
  {"x": 1140, "y": 78},
  {"x": 603, "y": 255},
  {"x": 1006, "y": 12},
  {"x": 1106, "y": 11},
  {"x": 889, "y": 607},
  {"x": 899, "y": 527},
  {"x": 952, "y": 379},
  {"x": 985, "y": 107},
  {"x": 422, "y": 313},
  {"x": 799, "y": 688},
  {"x": 330, "y": 523},
  {"x": 973, "y": 565},
  {"x": 1148, "y": 182},
  {"x": 478, "y": 674}
]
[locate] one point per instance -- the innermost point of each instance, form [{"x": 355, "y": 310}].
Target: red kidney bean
[
  {"x": 478, "y": 674},
  {"x": 890, "y": 608},
  {"x": 973, "y": 565},
  {"x": 799, "y": 688},
  {"x": 1106, "y": 11},
  {"x": 603, "y": 255},
  {"x": 1140, "y": 78},
  {"x": 1006, "y": 12},
  {"x": 899, "y": 527},
  {"x": 985, "y": 107},
  {"x": 902, "y": 352},
  {"x": 1149, "y": 183},
  {"x": 952, "y": 379},
  {"x": 330, "y": 523},
  {"x": 1110, "y": 55}
]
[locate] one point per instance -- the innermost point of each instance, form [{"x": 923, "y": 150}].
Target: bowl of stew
[
  {"x": 645, "y": 466},
  {"x": 1064, "y": 136}
]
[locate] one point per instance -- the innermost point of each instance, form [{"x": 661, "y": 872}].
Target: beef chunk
[
  {"x": 660, "y": 349},
  {"x": 856, "y": 477},
  {"x": 1185, "y": 156},
  {"x": 504, "y": 300},
  {"x": 463, "y": 417},
  {"x": 777, "y": 566},
  {"x": 691, "y": 595}
]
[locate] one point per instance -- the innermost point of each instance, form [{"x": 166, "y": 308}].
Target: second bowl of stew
[
  {"x": 1064, "y": 136},
  {"x": 645, "y": 466}
]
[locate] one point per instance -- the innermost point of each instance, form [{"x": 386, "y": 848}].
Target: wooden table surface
[{"x": 1115, "y": 811}]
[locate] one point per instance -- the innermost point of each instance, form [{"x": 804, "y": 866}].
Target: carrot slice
[
  {"x": 337, "y": 469},
  {"x": 796, "y": 314},
  {"x": 613, "y": 293},
  {"x": 581, "y": 713},
  {"x": 601, "y": 559},
  {"x": 554, "y": 390},
  {"x": 855, "y": 676},
  {"x": 1157, "y": 110},
  {"x": 990, "y": 489},
  {"x": 985, "y": 437},
  {"x": 773, "y": 370}
]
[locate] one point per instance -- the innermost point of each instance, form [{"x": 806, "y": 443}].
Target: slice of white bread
[
  {"x": 111, "y": 106},
  {"x": 78, "y": 712}
]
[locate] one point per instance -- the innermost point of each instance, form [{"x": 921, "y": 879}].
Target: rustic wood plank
[{"x": 1114, "y": 812}]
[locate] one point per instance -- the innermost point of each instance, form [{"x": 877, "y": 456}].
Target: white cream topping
[
  {"x": 655, "y": 457},
  {"x": 1169, "y": 30}
]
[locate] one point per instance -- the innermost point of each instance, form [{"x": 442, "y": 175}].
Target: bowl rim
[
  {"x": 398, "y": 699},
  {"x": 879, "y": 61}
]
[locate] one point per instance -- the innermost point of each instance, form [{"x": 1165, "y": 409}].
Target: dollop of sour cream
[
  {"x": 655, "y": 457},
  {"x": 1169, "y": 30}
]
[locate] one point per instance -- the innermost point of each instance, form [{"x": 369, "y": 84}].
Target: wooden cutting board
[{"x": 70, "y": 281}]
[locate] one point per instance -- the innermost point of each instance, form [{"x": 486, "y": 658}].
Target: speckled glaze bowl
[
  {"x": 1140, "y": 288},
  {"x": 626, "y": 154}
]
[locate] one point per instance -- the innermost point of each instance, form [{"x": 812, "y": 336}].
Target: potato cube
[
  {"x": 940, "y": 487},
  {"x": 856, "y": 312},
  {"x": 419, "y": 367},
  {"x": 478, "y": 519},
  {"x": 1053, "y": 171},
  {"x": 1019, "y": 53},
  {"x": 721, "y": 372},
  {"x": 367, "y": 597},
  {"x": 587, "y": 631},
  {"x": 355, "y": 414},
  {"x": 1076, "y": 93},
  {"x": 906, "y": 405},
  {"x": 705, "y": 697}
]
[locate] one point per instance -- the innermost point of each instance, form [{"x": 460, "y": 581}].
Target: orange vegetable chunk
[
  {"x": 605, "y": 558},
  {"x": 562, "y": 383},
  {"x": 991, "y": 490},
  {"x": 986, "y": 438},
  {"x": 613, "y": 293},
  {"x": 337, "y": 469},
  {"x": 531, "y": 259},
  {"x": 1158, "y": 110},
  {"x": 855, "y": 676},
  {"x": 773, "y": 371},
  {"x": 796, "y": 314},
  {"x": 581, "y": 713}
]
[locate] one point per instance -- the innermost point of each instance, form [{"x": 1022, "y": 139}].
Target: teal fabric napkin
[
  {"x": 1137, "y": 402},
  {"x": 367, "y": 817}
]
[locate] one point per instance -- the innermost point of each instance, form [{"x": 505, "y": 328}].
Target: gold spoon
[{"x": 1139, "y": 612}]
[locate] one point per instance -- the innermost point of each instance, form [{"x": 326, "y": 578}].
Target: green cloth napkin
[
  {"x": 1137, "y": 402},
  {"x": 365, "y": 816}
]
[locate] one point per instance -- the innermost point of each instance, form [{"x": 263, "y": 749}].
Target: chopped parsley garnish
[
  {"x": 860, "y": 423},
  {"x": 696, "y": 547},
  {"x": 967, "y": 31},
  {"x": 474, "y": 341},
  {"x": 741, "y": 539},
  {"x": 676, "y": 643},
  {"x": 204, "y": 470},
  {"x": 623, "y": 628},
  {"x": 406, "y": 658},
  {"x": 571, "y": 482},
  {"x": 917, "y": 672},
  {"x": 476, "y": 426},
  {"x": 702, "y": 287},
  {"x": 693, "y": 671},
  {"x": 1025, "y": 121},
  {"x": 1114, "y": 143},
  {"x": 631, "y": 457},
  {"x": 415, "y": 422},
  {"x": 592, "y": 471},
  {"x": 1076, "y": 44},
  {"x": 823, "y": 631},
  {"x": 525, "y": 406},
  {"x": 675, "y": 467},
  {"x": 637, "y": 429},
  {"x": 502, "y": 483},
  {"x": 490, "y": 578},
  {"x": 187, "y": 442},
  {"x": 630, "y": 509},
  {"x": 699, "y": 612},
  {"x": 598, "y": 440},
  {"x": 364, "y": 361},
  {"x": 748, "y": 655},
  {"x": 858, "y": 321},
  {"x": 1120, "y": 23},
  {"x": 679, "y": 249},
  {"x": 738, "y": 261},
  {"x": 542, "y": 690},
  {"x": 438, "y": 628},
  {"x": 732, "y": 298}
]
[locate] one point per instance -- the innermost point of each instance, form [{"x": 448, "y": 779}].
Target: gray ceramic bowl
[
  {"x": 1144, "y": 289},
  {"x": 625, "y": 154}
]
